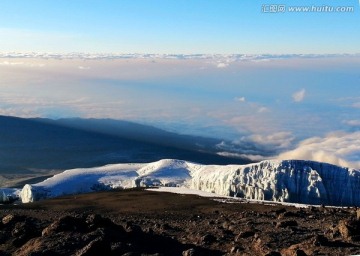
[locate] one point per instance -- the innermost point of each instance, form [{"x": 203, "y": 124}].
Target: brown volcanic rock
[
  {"x": 349, "y": 229},
  {"x": 136, "y": 222},
  {"x": 286, "y": 223},
  {"x": 65, "y": 223},
  {"x": 98, "y": 246}
]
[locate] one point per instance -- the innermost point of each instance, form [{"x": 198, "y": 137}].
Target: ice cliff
[{"x": 293, "y": 181}]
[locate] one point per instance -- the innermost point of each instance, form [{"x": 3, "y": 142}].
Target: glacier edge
[{"x": 293, "y": 181}]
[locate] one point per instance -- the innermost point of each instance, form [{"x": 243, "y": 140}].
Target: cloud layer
[
  {"x": 299, "y": 95},
  {"x": 337, "y": 148},
  {"x": 221, "y": 60},
  {"x": 247, "y": 104}
]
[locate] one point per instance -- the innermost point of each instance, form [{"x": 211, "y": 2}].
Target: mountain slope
[
  {"x": 294, "y": 181},
  {"x": 139, "y": 132},
  {"x": 30, "y": 144}
]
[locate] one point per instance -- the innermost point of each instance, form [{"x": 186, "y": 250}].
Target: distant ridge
[{"x": 36, "y": 143}]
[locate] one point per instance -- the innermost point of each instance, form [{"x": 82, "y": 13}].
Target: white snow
[
  {"x": 294, "y": 181},
  {"x": 8, "y": 194}
]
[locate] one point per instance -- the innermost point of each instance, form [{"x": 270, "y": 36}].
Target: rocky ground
[{"x": 138, "y": 222}]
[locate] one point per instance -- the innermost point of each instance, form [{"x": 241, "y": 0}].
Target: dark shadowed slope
[
  {"x": 27, "y": 144},
  {"x": 138, "y": 132}
]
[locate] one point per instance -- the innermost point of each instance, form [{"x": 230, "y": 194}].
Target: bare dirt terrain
[{"x": 139, "y": 222}]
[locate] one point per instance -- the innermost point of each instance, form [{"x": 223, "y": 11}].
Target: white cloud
[
  {"x": 278, "y": 140},
  {"x": 240, "y": 99},
  {"x": 263, "y": 110},
  {"x": 337, "y": 148},
  {"x": 256, "y": 147},
  {"x": 299, "y": 95},
  {"x": 222, "y": 60},
  {"x": 19, "y": 112},
  {"x": 222, "y": 65},
  {"x": 255, "y": 106},
  {"x": 242, "y": 149},
  {"x": 21, "y": 63},
  {"x": 83, "y": 68},
  {"x": 10, "y": 63},
  {"x": 352, "y": 122},
  {"x": 254, "y": 158}
]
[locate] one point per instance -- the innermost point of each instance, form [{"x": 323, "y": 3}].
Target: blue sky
[
  {"x": 287, "y": 106},
  {"x": 159, "y": 26}
]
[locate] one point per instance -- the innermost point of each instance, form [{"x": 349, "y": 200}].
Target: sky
[
  {"x": 270, "y": 84},
  {"x": 162, "y": 26}
]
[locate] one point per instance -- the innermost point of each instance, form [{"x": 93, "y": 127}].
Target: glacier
[{"x": 292, "y": 181}]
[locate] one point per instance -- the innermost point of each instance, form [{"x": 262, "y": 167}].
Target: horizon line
[{"x": 114, "y": 55}]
